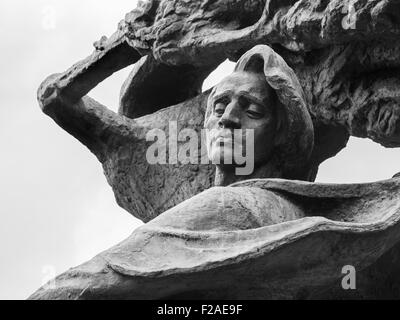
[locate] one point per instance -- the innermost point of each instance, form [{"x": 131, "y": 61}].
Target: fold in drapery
[{"x": 343, "y": 225}]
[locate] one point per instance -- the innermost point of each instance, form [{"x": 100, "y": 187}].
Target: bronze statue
[{"x": 274, "y": 229}]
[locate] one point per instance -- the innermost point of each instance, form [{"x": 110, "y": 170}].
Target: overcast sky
[{"x": 56, "y": 207}]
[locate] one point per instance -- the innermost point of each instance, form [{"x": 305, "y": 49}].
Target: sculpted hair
[{"x": 295, "y": 130}]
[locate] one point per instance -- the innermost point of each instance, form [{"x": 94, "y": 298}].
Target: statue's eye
[
  {"x": 219, "y": 109},
  {"x": 255, "y": 111}
]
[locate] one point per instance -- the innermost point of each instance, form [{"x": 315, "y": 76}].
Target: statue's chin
[
  {"x": 222, "y": 156},
  {"x": 232, "y": 164}
]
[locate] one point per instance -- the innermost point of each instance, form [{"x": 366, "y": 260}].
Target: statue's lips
[
  {"x": 224, "y": 139},
  {"x": 227, "y": 140},
  {"x": 225, "y": 135}
]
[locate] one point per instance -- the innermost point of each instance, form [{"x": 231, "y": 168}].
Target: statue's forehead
[{"x": 237, "y": 82}]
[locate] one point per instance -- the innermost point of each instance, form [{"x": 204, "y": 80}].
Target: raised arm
[{"x": 62, "y": 96}]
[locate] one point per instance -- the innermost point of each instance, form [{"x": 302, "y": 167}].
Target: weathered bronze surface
[{"x": 322, "y": 71}]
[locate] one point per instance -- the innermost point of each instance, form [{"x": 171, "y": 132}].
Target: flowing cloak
[{"x": 223, "y": 243}]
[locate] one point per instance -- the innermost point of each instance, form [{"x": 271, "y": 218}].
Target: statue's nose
[{"x": 231, "y": 117}]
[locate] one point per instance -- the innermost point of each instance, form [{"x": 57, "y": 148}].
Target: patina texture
[{"x": 283, "y": 239}]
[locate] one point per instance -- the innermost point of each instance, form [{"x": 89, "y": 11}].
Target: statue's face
[{"x": 241, "y": 101}]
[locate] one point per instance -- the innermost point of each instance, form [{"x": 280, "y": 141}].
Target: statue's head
[{"x": 264, "y": 96}]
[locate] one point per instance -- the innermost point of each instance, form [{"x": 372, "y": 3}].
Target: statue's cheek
[
  {"x": 264, "y": 132},
  {"x": 211, "y": 122}
]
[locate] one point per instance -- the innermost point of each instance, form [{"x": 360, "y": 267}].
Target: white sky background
[{"x": 56, "y": 206}]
